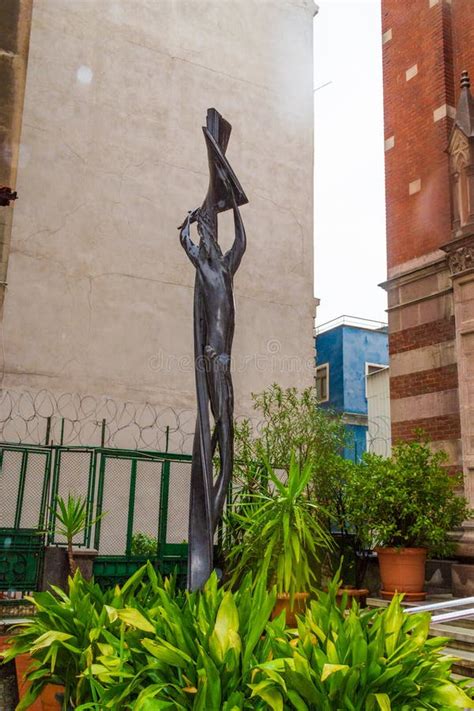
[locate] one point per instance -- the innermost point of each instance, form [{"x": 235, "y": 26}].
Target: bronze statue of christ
[{"x": 213, "y": 334}]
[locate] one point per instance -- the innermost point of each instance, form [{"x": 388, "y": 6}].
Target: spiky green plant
[
  {"x": 72, "y": 517},
  {"x": 282, "y": 533}
]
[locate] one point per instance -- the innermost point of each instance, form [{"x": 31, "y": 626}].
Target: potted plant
[
  {"x": 350, "y": 557},
  {"x": 70, "y": 518},
  {"x": 403, "y": 507},
  {"x": 280, "y": 535},
  {"x": 71, "y": 515},
  {"x": 292, "y": 420}
]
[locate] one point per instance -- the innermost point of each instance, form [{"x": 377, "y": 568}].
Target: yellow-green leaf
[
  {"x": 329, "y": 669},
  {"x": 167, "y": 653},
  {"x": 383, "y": 701},
  {"x": 225, "y": 634},
  {"x": 393, "y": 621},
  {"x": 133, "y": 617},
  {"x": 111, "y": 613},
  {"x": 268, "y": 693},
  {"x": 449, "y": 694},
  {"x": 47, "y": 639}
]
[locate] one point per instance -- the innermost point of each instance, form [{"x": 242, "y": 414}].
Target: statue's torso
[{"x": 215, "y": 283}]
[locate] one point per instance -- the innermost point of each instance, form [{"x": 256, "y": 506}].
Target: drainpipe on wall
[{"x": 15, "y": 28}]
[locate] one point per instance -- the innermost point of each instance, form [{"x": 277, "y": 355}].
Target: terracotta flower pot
[
  {"x": 47, "y": 700},
  {"x": 283, "y": 603},
  {"x": 22, "y": 664},
  {"x": 402, "y": 570},
  {"x": 48, "y": 697},
  {"x": 358, "y": 594}
]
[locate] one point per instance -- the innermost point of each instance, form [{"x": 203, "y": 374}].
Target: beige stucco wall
[{"x": 99, "y": 296}]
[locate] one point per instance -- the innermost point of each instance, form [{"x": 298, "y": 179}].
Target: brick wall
[
  {"x": 463, "y": 38},
  {"x": 425, "y": 334},
  {"x": 426, "y": 45},
  {"x": 420, "y": 222},
  {"x": 436, "y": 37},
  {"x": 445, "y": 427},
  {"x": 425, "y": 381}
]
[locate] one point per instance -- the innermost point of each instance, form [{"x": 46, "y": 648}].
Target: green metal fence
[{"x": 140, "y": 491}]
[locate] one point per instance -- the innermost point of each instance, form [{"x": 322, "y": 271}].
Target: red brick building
[{"x": 429, "y": 160}]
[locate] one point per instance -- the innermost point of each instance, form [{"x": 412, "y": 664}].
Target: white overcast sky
[{"x": 350, "y": 256}]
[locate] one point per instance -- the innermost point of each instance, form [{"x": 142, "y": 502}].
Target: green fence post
[
  {"x": 163, "y": 511},
  {"x": 131, "y": 506},
  {"x": 21, "y": 488},
  {"x": 54, "y": 494},
  {"x": 102, "y": 433},
  {"x": 100, "y": 500},
  {"x": 90, "y": 497},
  {"x": 48, "y": 431},
  {"x": 45, "y": 492}
]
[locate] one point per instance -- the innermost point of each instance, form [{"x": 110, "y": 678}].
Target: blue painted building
[{"x": 348, "y": 350}]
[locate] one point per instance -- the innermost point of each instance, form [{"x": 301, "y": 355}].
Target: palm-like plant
[
  {"x": 72, "y": 517},
  {"x": 281, "y": 532}
]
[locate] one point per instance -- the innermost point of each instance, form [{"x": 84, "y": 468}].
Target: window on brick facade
[{"x": 322, "y": 382}]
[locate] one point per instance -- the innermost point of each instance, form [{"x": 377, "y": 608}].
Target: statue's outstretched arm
[
  {"x": 191, "y": 249},
  {"x": 236, "y": 252}
]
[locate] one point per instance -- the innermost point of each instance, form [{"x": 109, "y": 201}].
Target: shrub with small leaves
[
  {"x": 144, "y": 545},
  {"x": 408, "y": 500}
]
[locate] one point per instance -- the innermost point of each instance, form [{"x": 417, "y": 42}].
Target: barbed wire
[
  {"x": 379, "y": 439},
  {"x": 72, "y": 419},
  {"x": 88, "y": 420}
]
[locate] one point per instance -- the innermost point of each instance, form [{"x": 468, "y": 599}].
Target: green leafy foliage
[
  {"x": 144, "y": 545},
  {"x": 149, "y": 647},
  {"x": 291, "y": 421},
  {"x": 408, "y": 500},
  {"x": 60, "y": 638},
  {"x": 365, "y": 661},
  {"x": 282, "y": 536}
]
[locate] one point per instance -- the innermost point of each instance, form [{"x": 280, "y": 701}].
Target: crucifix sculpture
[{"x": 213, "y": 334}]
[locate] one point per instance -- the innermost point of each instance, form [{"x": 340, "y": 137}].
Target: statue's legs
[
  {"x": 202, "y": 524},
  {"x": 226, "y": 434},
  {"x": 200, "y": 558},
  {"x": 222, "y": 406}
]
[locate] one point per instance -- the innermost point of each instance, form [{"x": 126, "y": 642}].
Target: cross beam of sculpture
[{"x": 213, "y": 335}]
